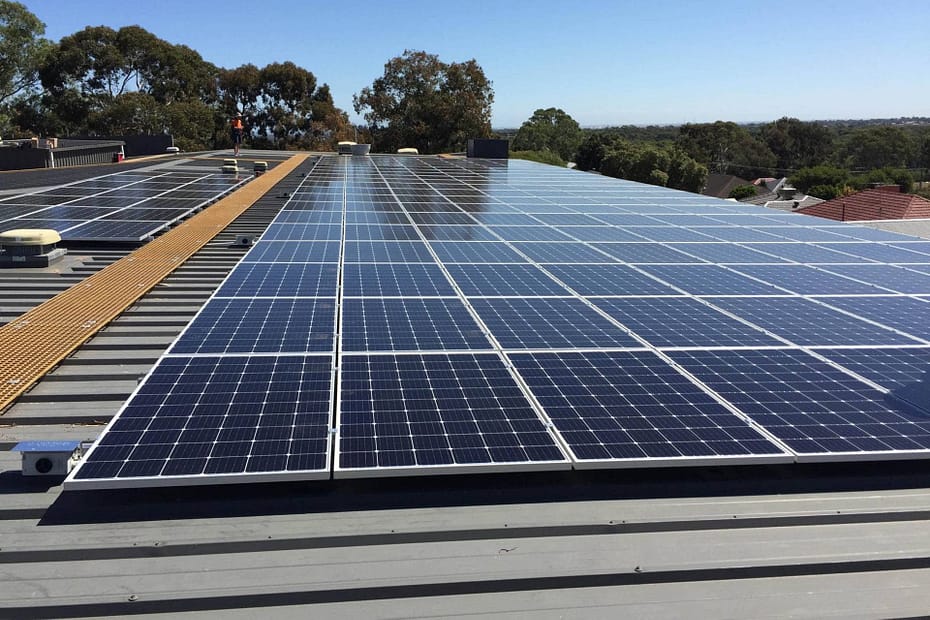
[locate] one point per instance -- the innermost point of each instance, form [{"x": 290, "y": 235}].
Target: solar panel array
[
  {"x": 407, "y": 316},
  {"x": 125, "y": 206}
]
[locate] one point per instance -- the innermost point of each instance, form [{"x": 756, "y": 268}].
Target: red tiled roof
[{"x": 871, "y": 204}]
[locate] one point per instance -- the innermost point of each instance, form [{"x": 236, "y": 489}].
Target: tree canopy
[
  {"x": 101, "y": 81},
  {"x": 22, "y": 49},
  {"x": 549, "y": 130},
  {"x": 726, "y": 148},
  {"x": 425, "y": 103}
]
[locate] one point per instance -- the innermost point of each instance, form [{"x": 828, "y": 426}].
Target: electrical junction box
[
  {"x": 49, "y": 458},
  {"x": 245, "y": 240}
]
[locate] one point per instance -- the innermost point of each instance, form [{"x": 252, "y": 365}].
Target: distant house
[
  {"x": 883, "y": 203},
  {"x": 720, "y": 185},
  {"x": 778, "y": 194}
]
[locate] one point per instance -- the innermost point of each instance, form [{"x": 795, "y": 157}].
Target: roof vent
[
  {"x": 786, "y": 192},
  {"x": 27, "y": 247}
]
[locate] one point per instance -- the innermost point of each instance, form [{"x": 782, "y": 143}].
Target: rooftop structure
[
  {"x": 619, "y": 316},
  {"x": 884, "y": 203}
]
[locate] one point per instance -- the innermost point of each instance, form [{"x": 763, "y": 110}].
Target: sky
[{"x": 603, "y": 62}]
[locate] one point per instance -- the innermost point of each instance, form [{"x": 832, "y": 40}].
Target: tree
[
  {"x": 425, "y": 103},
  {"x": 819, "y": 176},
  {"x": 549, "y": 130},
  {"x": 592, "y": 150},
  {"x": 22, "y": 49},
  {"x": 726, "y": 148},
  {"x": 797, "y": 144},
  {"x": 653, "y": 164},
  {"x": 743, "y": 191},
  {"x": 876, "y": 147}
]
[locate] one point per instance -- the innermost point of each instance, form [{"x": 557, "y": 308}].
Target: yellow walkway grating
[{"x": 37, "y": 341}]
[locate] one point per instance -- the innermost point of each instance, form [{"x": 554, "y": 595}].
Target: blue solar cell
[
  {"x": 890, "y": 368},
  {"x": 604, "y": 233},
  {"x": 807, "y": 280},
  {"x": 442, "y": 218},
  {"x": 309, "y": 217},
  {"x": 281, "y": 280},
  {"x": 293, "y": 252},
  {"x": 666, "y": 233},
  {"x": 812, "y": 407},
  {"x": 292, "y": 231},
  {"x": 645, "y": 253},
  {"x": 875, "y": 234},
  {"x": 804, "y": 322},
  {"x": 908, "y": 314},
  {"x": 548, "y": 323},
  {"x": 458, "y": 233},
  {"x": 608, "y": 280},
  {"x": 518, "y": 279},
  {"x": 409, "y": 325},
  {"x": 479, "y": 252},
  {"x": 737, "y": 233},
  {"x": 724, "y": 253},
  {"x": 376, "y": 217},
  {"x": 248, "y": 417},
  {"x": 800, "y": 233},
  {"x": 616, "y": 407},
  {"x": 708, "y": 280},
  {"x": 443, "y": 412},
  {"x": 387, "y": 252},
  {"x": 682, "y": 322},
  {"x": 249, "y": 325},
  {"x": 550, "y": 252},
  {"x": 395, "y": 279},
  {"x": 532, "y": 233},
  {"x": 887, "y": 277},
  {"x": 629, "y": 219},
  {"x": 878, "y": 252},
  {"x": 805, "y": 252},
  {"x": 566, "y": 219}
]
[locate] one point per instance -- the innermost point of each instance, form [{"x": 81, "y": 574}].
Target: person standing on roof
[{"x": 236, "y": 127}]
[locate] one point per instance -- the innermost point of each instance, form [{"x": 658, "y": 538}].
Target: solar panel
[
  {"x": 437, "y": 413},
  {"x": 890, "y": 368},
  {"x": 682, "y": 322},
  {"x": 117, "y": 207},
  {"x": 549, "y": 323},
  {"x": 816, "y": 410},
  {"x": 261, "y": 325},
  {"x": 210, "y": 420},
  {"x": 632, "y": 409},
  {"x": 807, "y": 323},
  {"x": 483, "y": 315}
]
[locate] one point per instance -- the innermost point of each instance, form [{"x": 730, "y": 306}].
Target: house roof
[
  {"x": 872, "y": 204},
  {"x": 720, "y": 185}
]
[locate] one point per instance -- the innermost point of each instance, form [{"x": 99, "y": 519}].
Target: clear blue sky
[{"x": 603, "y": 62}]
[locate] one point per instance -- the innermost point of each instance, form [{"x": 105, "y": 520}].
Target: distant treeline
[{"x": 829, "y": 157}]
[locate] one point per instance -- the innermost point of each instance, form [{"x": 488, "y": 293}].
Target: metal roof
[{"x": 841, "y": 540}]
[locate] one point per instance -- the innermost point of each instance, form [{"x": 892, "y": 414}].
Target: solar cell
[
  {"x": 805, "y": 252},
  {"x": 601, "y": 280},
  {"x": 483, "y": 252},
  {"x": 890, "y": 368},
  {"x": 645, "y": 253},
  {"x": 682, "y": 322},
  {"x": 250, "y": 325},
  {"x": 807, "y": 280},
  {"x": 815, "y": 409},
  {"x": 878, "y": 251},
  {"x": 908, "y": 314},
  {"x": 617, "y": 409},
  {"x": 208, "y": 420},
  {"x": 281, "y": 280},
  {"x": 805, "y": 322},
  {"x": 437, "y": 413},
  {"x": 724, "y": 253},
  {"x": 548, "y": 323},
  {"x": 553, "y": 252},
  {"x": 708, "y": 280},
  {"x": 887, "y": 277},
  {"x": 437, "y": 324},
  {"x": 395, "y": 279},
  {"x": 293, "y": 252},
  {"x": 519, "y": 279}
]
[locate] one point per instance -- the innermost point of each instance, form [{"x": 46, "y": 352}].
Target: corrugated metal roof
[{"x": 803, "y": 541}]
